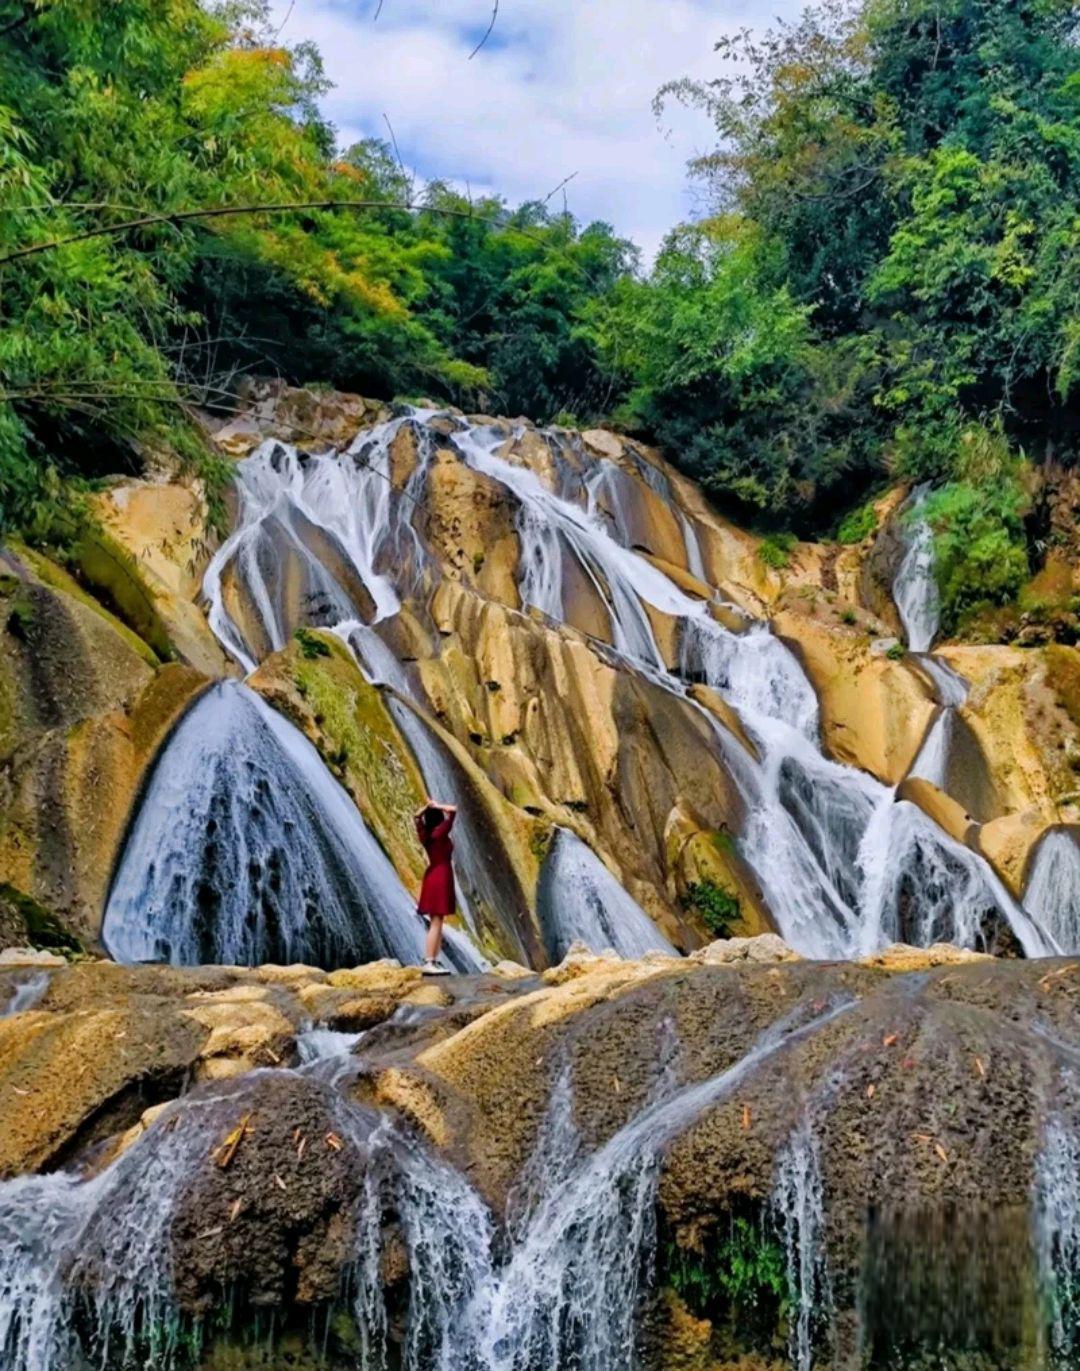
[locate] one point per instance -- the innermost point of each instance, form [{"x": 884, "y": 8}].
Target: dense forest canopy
[{"x": 885, "y": 285}]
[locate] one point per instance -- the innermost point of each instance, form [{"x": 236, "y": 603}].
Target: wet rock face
[
  {"x": 844, "y": 1164},
  {"x": 276, "y": 1220}
]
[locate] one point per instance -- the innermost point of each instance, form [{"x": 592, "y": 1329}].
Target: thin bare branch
[
  {"x": 225, "y": 211},
  {"x": 488, "y": 32},
  {"x": 288, "y": 16},
  {"x": 562, "y": 184},
  {"x": 397, "y": 153}
]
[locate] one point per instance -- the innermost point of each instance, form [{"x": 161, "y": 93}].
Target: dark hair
[{"x": 431, "y": 818}]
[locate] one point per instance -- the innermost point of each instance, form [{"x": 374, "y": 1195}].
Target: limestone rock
[
  {"x": 387, "y": 976},
  {"x": 30, "y": 956},
  {"x": 874, "y": 712},
  {"x": 511, "y": 971},
  {"x": 766, "y": 947},
  {"x": 83, "y": 709},
  {"x": 902, "y": 957},
  {"x": 329, "y": 700},
  {"x": 603, "y": 443}
]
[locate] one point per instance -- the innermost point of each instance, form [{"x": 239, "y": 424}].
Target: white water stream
[
  {"x": 246, "y": 850},
  {"x": 915, "y": 588},
  {"x": 843, "y": 866},
  {"x": 27, "y": 992},
  {"x": 86, "y": 1266},
  {"x": 1052, "y": 893},
  {"x": 578, "y": 899}
]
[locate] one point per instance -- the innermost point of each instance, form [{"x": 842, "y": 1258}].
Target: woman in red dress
[{"x": 436, "y": 902}]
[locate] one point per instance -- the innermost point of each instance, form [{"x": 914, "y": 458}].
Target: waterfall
[
  {"x": 932, "y": 763},
  {"x": 86, "y": 1266},
  {"x": 915, "y": 588},
  {"x": 822, "y": 838},
  {"x": 246, "y": 850},
  {"x": 843, "y": 867},
  {"x": 1056, "y": 1223},
  {"x": 798, "y": 1204},
  {"x": 569, "y": 1293},
  {"x": 1052, "y": 892},
  {"x": 338, "y": 519},
  {"x": 579, "y": 900},
  {"x": 25, "y": 994}
]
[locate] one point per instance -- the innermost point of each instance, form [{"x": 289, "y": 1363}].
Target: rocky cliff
[
  {"x": 724, "y": 1163},
  {"x": 557, "y": 628}
]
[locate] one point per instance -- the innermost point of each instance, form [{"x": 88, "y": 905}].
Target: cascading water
[
  {"x": 87, "y": 1265},
  {"x": 26, "y": 993},
  {"x": 579, "y": 900},
  {"x": 569, "y": 1293},
  {"x": 318, "y": 509},
  {"x": 842, "y": 866},
  {"x": 915, "y": 588},
  {"x": 932, "y": 763},
  {"x": 1052, "y": 892},
  {"x": 247, "y": 850},
  {"x": 798, "y": 1204},
  {"x": 1056, "y": 1221}
]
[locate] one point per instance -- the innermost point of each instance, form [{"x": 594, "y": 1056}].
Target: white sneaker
[{"x": 430, "y": 968}]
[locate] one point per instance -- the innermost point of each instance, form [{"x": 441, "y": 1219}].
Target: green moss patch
[
  {"x": 56, "y": 578},
  {"x": 717, "y": 908},
  {"x": 25, "y": 922},
  {"x": 360, "y": 739}
]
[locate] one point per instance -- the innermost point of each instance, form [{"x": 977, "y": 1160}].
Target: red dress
[{"x": 437, "y": 891}]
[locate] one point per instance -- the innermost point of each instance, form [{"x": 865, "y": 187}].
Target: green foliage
[
  {"x": 20, "y": 620},
  {"x": 717, "y": 908},
  {"x": 981, "y": 556},
  {"x": 857, "y": 525},
  {"x": 776, "y": 549},
  {"x": 897, "y": 189},
  {"x": 745, "y": 1268},
  {"x": 311, "y": 645},
  {"x": 896, "y": 652},
  {"x": 113, "y": 111}
]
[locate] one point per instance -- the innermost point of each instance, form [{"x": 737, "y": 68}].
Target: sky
[{"x": 561, "y": 88}]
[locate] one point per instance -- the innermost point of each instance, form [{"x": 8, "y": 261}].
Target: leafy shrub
[
  {"x": 746, "y": 1267},
  {"x": 857, "y": 525},
  {"x": 980, "y": 549},
  {"x": 717, "y": 908},
  {"x": 896, "y": 652},
  {"x": 775, "y": 550}
]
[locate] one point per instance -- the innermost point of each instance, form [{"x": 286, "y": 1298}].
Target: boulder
[{"x": 766, "y": 947}]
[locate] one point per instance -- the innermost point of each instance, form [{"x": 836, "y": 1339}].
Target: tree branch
[
  {"x": 488, "y": 32},
  {"x": 223, "y": 211}
]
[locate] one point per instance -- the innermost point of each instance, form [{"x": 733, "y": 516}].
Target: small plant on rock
[
  {"x": 310, "y": 645},
  {"x": 716, "y": 907},
  {"x": 775, "y": 550}
]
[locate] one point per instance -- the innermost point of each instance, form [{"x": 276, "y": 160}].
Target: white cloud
[{"x": 561, "y": 87}]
